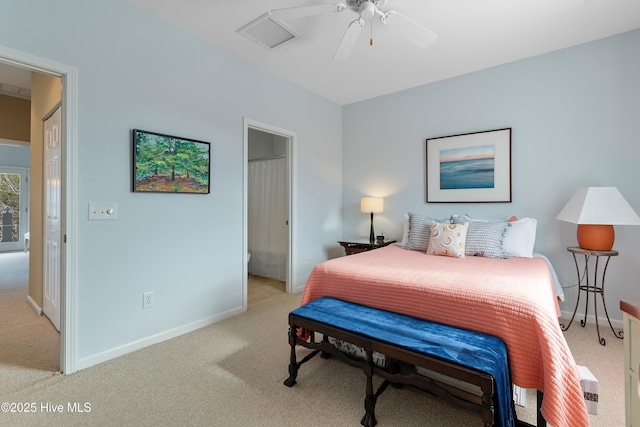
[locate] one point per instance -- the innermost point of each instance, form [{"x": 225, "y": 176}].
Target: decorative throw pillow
[
  {"x": 448, "y": 239},
  {"x": 520, "y": 238},
  {"x": 419, "y": 232},
  {"x": 485, "y": 239}
]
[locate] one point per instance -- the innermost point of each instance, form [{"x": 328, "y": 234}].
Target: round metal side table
[{"x": 589, "y": 287}]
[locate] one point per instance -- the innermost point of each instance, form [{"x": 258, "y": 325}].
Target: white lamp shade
[
  {"x": 598, "y": 205},
  {"x": 372, "y": 204}
]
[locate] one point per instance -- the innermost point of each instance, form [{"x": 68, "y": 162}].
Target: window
[{"x": 13, "y": 207}]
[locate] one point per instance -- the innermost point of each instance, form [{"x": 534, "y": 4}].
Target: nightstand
[
  {"x": 589, "y": 287},
  {"x": 361, "y": 245}
]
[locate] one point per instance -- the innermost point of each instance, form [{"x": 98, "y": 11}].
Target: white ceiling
[
  {"x": 472, "y": 35},
  {"x": 15, "y": 81}
]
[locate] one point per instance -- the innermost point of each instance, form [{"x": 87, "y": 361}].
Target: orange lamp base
[{"x": 596, "y": 237}]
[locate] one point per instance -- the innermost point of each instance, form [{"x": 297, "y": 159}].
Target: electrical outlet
[{"x": 148, "y": 300}]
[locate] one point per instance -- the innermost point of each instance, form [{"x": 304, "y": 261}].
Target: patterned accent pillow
[
  {"x": 419, "y": 232},
  {"x": 485, "y": 239},
  {"x": 448, "y": 239}
]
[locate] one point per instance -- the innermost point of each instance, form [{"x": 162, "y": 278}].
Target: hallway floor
[{"x": 262, "y": 288}]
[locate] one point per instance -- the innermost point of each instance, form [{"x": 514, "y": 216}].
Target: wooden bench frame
[{"x": 399, "y": 372}]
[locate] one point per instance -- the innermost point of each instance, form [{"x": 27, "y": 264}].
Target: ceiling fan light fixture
[
  {"x": 367, "y": 10},
  {"x": 268, "y": 32}
]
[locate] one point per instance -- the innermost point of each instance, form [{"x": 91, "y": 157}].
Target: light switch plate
[{"x": 100, "y": 211}]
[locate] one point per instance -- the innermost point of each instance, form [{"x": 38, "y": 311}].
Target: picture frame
[
  {"x": 169, "y": 164},
  {"x": 469, "y": 168}
]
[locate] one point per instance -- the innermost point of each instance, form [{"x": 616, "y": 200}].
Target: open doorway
[
  {"x": 66, "y": 273},
  {"x": 268, "y": 207},
  {"x": 34, "y": 339}
]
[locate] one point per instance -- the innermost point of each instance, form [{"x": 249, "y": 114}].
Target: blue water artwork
[{"x": 470, "y": 167}]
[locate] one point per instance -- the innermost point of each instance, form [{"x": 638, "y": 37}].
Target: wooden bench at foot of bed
[{"x": 406, "y": 343}]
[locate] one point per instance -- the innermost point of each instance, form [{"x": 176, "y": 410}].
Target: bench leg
[
  {"x": 369, "y": 418},
  {"x": 325, "y": 355},
  {"x": 293, "y": 364}
]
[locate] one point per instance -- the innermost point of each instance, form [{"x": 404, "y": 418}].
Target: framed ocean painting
[
  {"x": 170, "y": 164},
  {"x": 469, "y": 168}
]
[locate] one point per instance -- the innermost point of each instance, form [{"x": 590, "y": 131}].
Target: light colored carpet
[
  {"x": 231, "y": 374},
  {"x": 29, "y": 344}
]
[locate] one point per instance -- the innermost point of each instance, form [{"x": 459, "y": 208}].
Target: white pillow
[
  {"x": 520, "y": 238},
  {"x": 405, "y": 230}
]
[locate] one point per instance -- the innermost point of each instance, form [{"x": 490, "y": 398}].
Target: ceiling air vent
[
  {"x": 18, "y": 92},
  {"x": 268, "y": 32}
]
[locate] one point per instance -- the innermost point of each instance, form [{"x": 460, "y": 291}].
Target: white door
[{"x": 52, "y": 172}]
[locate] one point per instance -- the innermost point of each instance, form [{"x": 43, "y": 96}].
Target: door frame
[
  {"x": 68, "y": 217},
  {"x": 291, "y": 211}
]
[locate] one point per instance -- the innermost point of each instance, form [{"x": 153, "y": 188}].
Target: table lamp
[
  {"x": 372, "y": 205},
  {"x": 596, "y": 210}
]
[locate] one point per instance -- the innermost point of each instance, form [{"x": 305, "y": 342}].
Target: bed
[{"x": 512, "y": 298}]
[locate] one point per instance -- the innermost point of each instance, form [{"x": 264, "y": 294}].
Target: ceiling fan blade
[
  {"x": 301, "y": 12},
  {"x": 408, "y": 28},
  {"x": 349, "y": 40}
]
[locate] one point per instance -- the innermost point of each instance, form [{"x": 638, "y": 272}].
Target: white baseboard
[
  {"x": 591, "y": 319},
  {"x": 104, "y": 356},
  {"x": 34, "y": 305}
]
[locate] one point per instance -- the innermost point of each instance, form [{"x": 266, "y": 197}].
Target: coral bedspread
[{"x": 512, "y": 299}]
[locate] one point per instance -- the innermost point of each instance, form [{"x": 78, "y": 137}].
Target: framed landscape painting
[
  {"x": 170, "y": 164},
  {"x": 469, "y": 168}
]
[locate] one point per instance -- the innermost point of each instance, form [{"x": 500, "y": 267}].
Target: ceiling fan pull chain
[{"x": 371, "y": 38}]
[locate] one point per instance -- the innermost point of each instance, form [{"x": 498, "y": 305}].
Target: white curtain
[{"x": 267, "y": 213}]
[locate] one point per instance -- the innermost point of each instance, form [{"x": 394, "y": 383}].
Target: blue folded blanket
[{"x": 474, "y": 350}]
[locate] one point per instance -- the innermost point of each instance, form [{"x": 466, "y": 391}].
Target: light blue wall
[
  {"x": 574, "y": 115},
  {"x": 137, "y": 71}
]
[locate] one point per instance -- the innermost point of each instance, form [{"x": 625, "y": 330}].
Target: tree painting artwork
[
  {"x": 468, "y": 167},
  {"x": 169, "y": 164}
]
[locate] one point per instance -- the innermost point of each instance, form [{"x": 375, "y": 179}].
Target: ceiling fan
[{"x": 366, "y": 9}]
